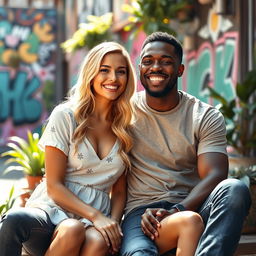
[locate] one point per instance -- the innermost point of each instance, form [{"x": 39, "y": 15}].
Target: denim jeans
[
  {"x": 27, "y": 227},
  {"x": 223, "y": 213}
]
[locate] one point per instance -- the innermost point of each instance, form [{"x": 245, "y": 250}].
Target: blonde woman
[{"x": 86, "y": 143}]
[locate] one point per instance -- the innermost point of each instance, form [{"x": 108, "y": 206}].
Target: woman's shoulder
[{"x": 63, "y": 110}]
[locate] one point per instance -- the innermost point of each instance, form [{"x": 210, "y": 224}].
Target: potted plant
[{"x": 28, "y": 158}]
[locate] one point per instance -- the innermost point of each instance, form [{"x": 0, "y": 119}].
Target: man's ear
[{"x": 181, "y": 70}]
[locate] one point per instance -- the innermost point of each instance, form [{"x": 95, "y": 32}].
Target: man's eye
[
  {"x": 146, "y": 62},
  {"x": 166, "y": 62}
]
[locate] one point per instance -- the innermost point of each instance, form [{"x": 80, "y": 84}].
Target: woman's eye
[
  {"x": 104, "y": 70},
  {"x": 122, "y": 72}
]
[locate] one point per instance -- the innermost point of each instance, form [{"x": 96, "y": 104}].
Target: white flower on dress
[{"x": 53, "y": 129}]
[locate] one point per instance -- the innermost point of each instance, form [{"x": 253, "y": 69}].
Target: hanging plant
[
  {"x": 90, "y": 34},
  {"x": 157, "y": 15}
]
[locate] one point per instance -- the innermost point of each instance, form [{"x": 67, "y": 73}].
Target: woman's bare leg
[
  {"x": 181, "y": 230},
  {"x": 95, "y": 244},
  {"x": 68, "y": 238}
]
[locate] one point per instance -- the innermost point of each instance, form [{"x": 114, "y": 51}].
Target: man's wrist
[{"x": 178, "y": 207}]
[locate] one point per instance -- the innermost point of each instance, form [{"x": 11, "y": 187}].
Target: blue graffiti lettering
[{"x": 16, "y": 98}]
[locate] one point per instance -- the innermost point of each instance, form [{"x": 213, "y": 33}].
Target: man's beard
[{"x": 159, "y": 94}]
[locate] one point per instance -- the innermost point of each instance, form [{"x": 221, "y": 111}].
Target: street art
[
  {"x": 214, "y": 65},
  {"x": 27, "y": 68}
]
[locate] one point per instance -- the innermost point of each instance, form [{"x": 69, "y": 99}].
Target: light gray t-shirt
[{"x": 166, "y": 146}]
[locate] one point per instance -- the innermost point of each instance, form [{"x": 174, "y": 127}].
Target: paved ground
[{"x": 15, "y": 178}]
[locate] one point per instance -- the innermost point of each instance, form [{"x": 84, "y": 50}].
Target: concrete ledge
[{"x": 247, "y": 246}]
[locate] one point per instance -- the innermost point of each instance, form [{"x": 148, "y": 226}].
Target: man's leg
[
  {"x": 28, "y": 227},
  {"x": 223, "y": 212},
  {"x": 134, "y": 242}
]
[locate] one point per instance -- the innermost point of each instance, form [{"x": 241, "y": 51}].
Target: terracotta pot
[
  {"x": 205, "y": 1},
  {"x": 237, "y": 161},
  {"x": 33, "y": 181}
]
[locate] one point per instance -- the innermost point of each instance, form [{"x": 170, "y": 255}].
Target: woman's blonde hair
[{"x": 83, "y": 99}]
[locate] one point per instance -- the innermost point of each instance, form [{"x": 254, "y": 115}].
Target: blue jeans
[
  {"x": 27, "y": 227},
  {"x": 223, "y": 213}
]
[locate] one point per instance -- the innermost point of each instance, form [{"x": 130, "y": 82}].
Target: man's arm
[{"x": 212, "y": 169}]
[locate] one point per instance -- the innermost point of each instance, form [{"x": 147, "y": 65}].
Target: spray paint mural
[
  {"x": 213, "y": 63},
  {"x": 27, "y": 67}
]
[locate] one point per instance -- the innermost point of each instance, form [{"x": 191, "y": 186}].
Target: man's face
[{"x": 159, "y": 68}]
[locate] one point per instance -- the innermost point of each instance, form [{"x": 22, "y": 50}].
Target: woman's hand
[{"x": 109, "y": 229}]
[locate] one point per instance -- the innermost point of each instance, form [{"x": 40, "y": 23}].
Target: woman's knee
[
  {"x": 70, "y": 230},
  {"x": 191, "y": 221},
  {"x": 96, "y": 241}
]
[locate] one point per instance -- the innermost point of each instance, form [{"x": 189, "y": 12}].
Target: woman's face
[{"x": 111, "y": 80}]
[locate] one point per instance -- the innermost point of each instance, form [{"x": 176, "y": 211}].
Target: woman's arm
[
  {"x": 118, "y": 198},
  {"x": 56, "y": 166}
]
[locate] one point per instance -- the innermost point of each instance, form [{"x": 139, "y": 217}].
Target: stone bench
[{"x": 246, "y": 247}]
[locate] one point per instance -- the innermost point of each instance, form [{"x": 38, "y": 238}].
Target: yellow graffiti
[
  {"x": 8, "y": 55},
  {"x": 43, "y": 32},
  {"x": 214, "y": 22},
  {"x": 25, "y": 55}
]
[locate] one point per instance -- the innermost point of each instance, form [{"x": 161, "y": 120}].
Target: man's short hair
[{"x": 167, "y": 38}]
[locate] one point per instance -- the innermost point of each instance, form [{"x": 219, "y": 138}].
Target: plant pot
[
  {"x": 24, "y": 196},
  {"x": 33, "y": 181},
  {"x": 238, "y": 161}
]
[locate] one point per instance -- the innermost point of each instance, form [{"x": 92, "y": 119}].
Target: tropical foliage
[
  {"x": 240, "y": 115},
  {"x": 28, "y": 157},
  {"x": 246, "y": 174},
  {"x": 157, "y": 15},
  {"x": 8, "y": 202},
  {"x": 90, "y": 34}
]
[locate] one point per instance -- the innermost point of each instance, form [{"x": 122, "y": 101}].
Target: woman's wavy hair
[{"x": 83, "y": 99}]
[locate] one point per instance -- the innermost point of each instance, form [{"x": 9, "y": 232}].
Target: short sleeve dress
[{"x": 87, "y": 176}]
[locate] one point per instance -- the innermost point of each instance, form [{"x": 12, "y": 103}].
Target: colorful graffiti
[
  {"x": 214, "y": 65},
  {"x": 27, "y": 68}
]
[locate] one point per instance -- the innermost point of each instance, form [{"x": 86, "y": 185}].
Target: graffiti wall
[
  {"x": 213, "y": 63},
  {"x": 27, "y": 69}
]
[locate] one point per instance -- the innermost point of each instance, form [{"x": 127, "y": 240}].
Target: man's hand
[{"x": 150, "y": 220}]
